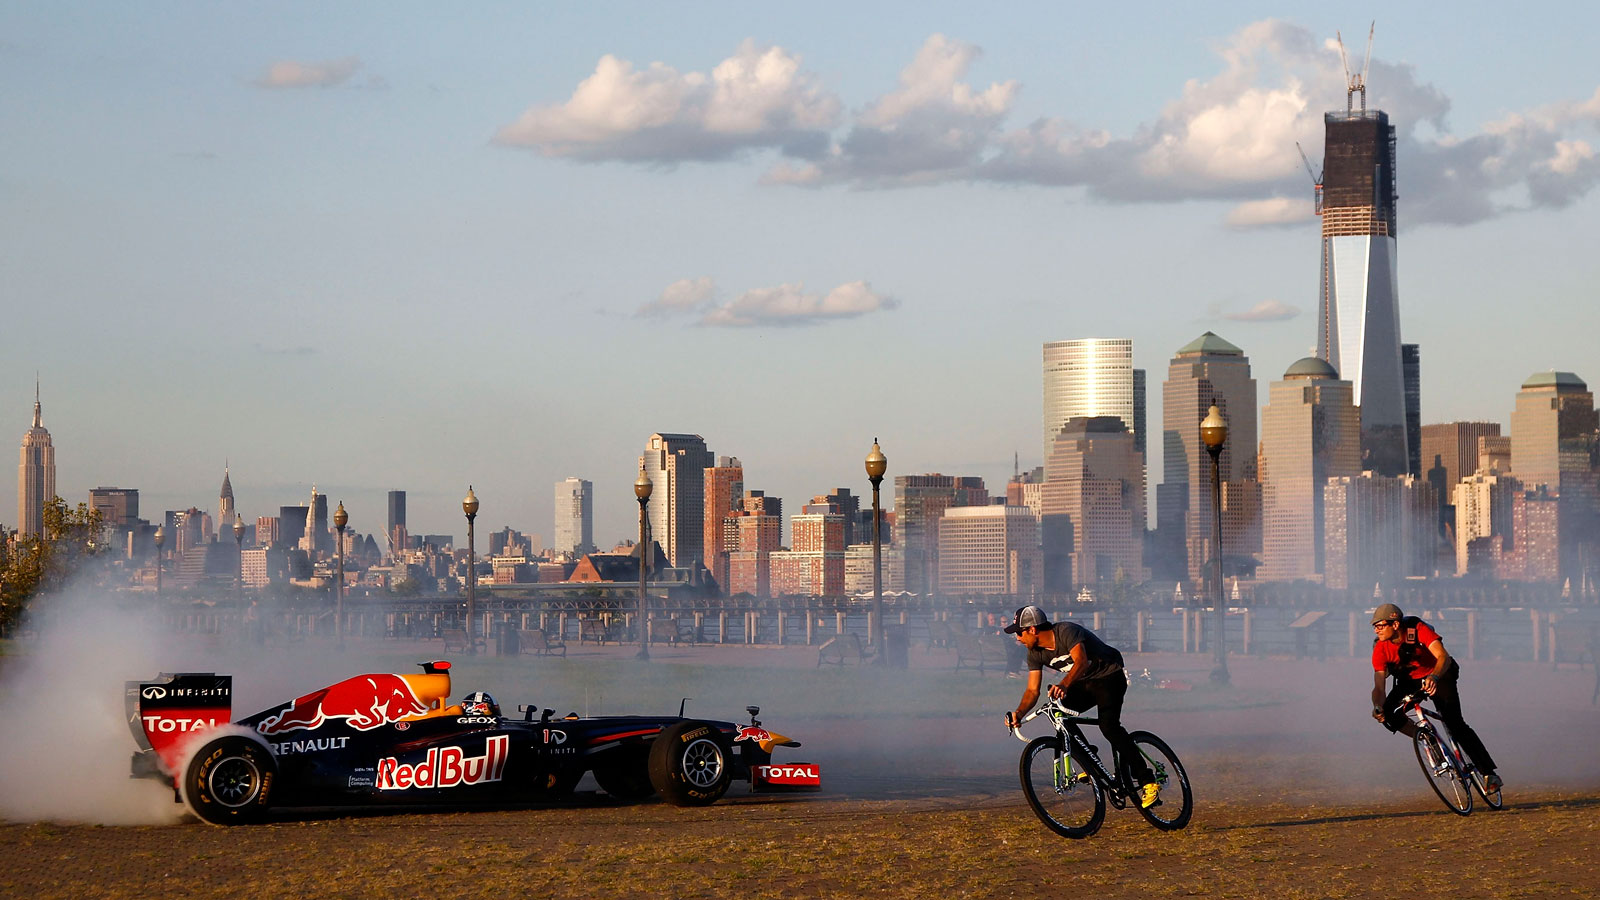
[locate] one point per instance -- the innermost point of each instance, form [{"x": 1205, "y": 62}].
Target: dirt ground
[{"x": 1297, "y": 797}]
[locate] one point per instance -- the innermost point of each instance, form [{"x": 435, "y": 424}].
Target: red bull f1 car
[{"x": 386, "y": 738}]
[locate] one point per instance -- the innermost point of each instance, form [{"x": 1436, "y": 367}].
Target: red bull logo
[
  {"x": 363, "y": 702},
  {"x": 750, "y": 733},
  {"x": 446, "y": 767}
]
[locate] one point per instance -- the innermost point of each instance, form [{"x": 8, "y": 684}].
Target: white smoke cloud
[
  {"x": 1272, "y": 211},
  {"x": 756, "y": 98},
  {"x": 682, "y": 296},
  {"x": 292, "y": 74},
  {"x": 789, "y": 304}
]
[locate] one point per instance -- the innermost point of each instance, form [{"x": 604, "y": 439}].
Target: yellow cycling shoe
[{"x": 1149, "y": 794}]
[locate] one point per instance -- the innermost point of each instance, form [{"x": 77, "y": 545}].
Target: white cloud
[
  {"x": 757, "y": 98},
  {"x": 291, "y": 74},
  {"x": 682, "y": 296},
  {"x": 1265, "y": 311},
  {"x": 1273, "y": 211},
  {"x": 789, "y": 304}
]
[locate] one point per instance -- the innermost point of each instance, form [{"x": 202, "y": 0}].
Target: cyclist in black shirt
[{"x": 1094, "y": 677}]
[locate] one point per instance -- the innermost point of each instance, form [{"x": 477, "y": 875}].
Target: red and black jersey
[{"x": 1410, "y": 658}]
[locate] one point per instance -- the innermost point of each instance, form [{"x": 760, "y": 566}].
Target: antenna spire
[{"x": 1357, "y": 82}]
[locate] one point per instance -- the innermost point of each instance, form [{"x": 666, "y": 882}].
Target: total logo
[
  {"x": 446, "y": 767},
  {"x": 175, "y": 724},
  {"x": 802, "y": 774}
]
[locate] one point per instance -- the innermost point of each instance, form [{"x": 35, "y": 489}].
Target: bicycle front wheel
[
  {"x": 1067, "y": 805},
  {"x": 1175, "y": 805},
  {"x": 1442, "y": 774}
]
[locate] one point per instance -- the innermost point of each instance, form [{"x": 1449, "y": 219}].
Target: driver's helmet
[{"x": 479, "y": 703}]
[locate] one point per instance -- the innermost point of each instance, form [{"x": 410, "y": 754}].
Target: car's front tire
[
  {"x": 229, "y": 781},
  {"x": 690, "y": 764}
]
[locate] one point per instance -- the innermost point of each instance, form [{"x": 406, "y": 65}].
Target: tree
[{"x": 43, "y": 563}]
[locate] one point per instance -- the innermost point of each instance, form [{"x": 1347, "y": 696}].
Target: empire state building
[{"x": 36, "y": 474}]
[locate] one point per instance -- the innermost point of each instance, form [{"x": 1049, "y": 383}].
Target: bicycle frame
[
  {"x": 1424, "y": 718},
  {"x": 1067, "y": 724}
]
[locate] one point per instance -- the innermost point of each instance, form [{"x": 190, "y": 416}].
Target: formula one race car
[{"x": 386, "y": 738}]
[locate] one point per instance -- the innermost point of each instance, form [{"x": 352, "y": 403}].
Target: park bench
[
  {"x": 534, "y": 641},
  {"x": 942, "y": 633},
  {"x": 1308, "y": 627},
  {"x": 981, "y": 652},
  {"x": 594, "y": 630},
  {"x": 839, "y": 648},
  {"x": 455, "y": 641},
  {"x": 664, "y": 631}
]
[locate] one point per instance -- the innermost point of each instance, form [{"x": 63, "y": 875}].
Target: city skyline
[{"x": 332, "y": 273}]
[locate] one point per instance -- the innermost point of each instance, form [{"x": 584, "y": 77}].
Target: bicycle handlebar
[{"x": 1050, "y": 704}]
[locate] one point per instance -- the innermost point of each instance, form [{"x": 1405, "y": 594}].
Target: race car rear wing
[{"x": 165, "y": 713}]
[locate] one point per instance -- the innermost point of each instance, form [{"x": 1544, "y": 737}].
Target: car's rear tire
[
  {"x": 691, "y": 764},
  {"x": 229, "y": 781}
]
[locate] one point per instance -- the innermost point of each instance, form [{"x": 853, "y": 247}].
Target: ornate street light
[
  {"x": 161, "y": 537},
  {"x": 238, "y": 540},
  {"x": 1214, "y": 433},
  {"x": 877, "y": 464},
  {"x": 641, "y": 490},
  {"x": 340, "y": 520},
  {"x": 469, "y": 505}
]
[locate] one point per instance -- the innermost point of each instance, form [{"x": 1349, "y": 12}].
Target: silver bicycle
[
  {"x": 1068, "y": 786},
  {"x": 1451, "y": 775}
]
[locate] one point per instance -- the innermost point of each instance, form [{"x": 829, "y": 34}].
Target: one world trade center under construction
[{"x": 1359, "y": 329}]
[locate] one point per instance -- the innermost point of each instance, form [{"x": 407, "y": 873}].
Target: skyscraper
[
  {"x": 1411, "y": 369},
  {"x": 1092, "y": 377},
  {"x": 118, "y": 507},
  {"x": 1310, "y": 432},
  {"x": 1207, "y": 371},
  {"x": 723, "y": 491},
  {"x": 919, "y": 503},
  {"x": 989, "y": 550},
  {"x": 398, "y": 538},
  {"x": 36, "y": 474},
  {"x": 225, "y": 510},
  {"x": 676, "y": 464},
  {"x": 1555, "y": 444},
  {"x": 1095, "y": 478},
  {"x": 574, "y": 525},
  {"x": 1358, "y": 331}
]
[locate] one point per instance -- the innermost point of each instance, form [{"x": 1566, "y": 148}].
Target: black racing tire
[
  {"x": 624, "y": 773},
  {"x": 1176, "y": 803},
  {"x": 1065, "y": 804},
  {"x": 229, "y": 781},
  {"x": 1446, "y": 780},
  {"x": 691, "y": 763}
]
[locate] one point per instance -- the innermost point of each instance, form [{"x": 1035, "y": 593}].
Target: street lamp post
[
  {"x": 877, "y": 464},
  {"x": 161, "y": 537},
  {"x": 340, "y": 520},
  {"x": 238, "y": 540},
  {"x": 641, "y": 490},
  {"x": 469, "y": 505},
  {"x": 1214, "y": 432}
]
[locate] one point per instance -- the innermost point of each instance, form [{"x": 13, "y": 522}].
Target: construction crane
[
  {"x": 1316, "y": 178},
  {"x": 1355, "y": 83}
]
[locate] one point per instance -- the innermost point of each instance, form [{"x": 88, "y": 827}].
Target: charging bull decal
[{"x": 364, "y": 702}]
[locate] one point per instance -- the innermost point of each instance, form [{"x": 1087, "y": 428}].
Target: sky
[{"x": 402, "y": 246}]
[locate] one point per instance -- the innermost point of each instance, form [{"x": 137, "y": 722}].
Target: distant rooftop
[
  {"x": 1310, "y": 367},
  {"x": 1211, "y": 345},
  {"x": 1561, "y": 381}
]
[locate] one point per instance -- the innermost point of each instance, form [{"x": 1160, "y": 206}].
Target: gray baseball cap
[
  {"x": 1385, "y": 612},
  {"x": 1028, "y": 617}
]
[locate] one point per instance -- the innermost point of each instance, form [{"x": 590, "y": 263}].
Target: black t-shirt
[{"x": 1100, "y": 658}]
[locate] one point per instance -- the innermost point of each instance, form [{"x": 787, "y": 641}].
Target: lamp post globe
[
  {"x": 877, "y": 464},
  {"x": 1214, "y": 433},
  {"x": 469, "y": 505},
  {"x": 340, "y": 520},
  {"x": 642, "y": 489},
  {"x": 160, "y": 538}
]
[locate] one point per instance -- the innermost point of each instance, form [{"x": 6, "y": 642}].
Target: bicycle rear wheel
[
  {"x": 1176, "y": 804},
  {"x": 1445, "y": 779},
  {"x": 1493, "y": 797},
  {"x": 1066, "y": 805}
]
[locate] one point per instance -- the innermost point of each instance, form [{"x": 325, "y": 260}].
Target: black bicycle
[
  {"x": 1068, "y": 786},
  {"x": 1451, "y": 775}
]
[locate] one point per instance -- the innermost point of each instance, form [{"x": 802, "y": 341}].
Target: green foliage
[{"x": 43, "y": 563}]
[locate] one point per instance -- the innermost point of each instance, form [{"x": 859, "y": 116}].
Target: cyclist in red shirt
[{"x": 1409, "y": 650}]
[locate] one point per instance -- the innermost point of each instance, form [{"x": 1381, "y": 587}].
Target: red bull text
[{"x": 446, "y": 767}]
